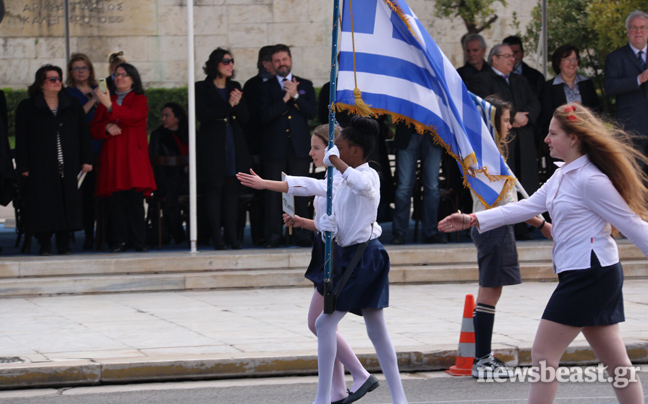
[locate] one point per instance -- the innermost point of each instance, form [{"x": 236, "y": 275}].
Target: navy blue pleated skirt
[
  {"x": 368, "y": 286},
  {"x": 588, "y": 297},
  {"x": 315, "y": 270}
]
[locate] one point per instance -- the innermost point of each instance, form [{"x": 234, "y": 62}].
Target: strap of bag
[{"x": 349, "y": 270}]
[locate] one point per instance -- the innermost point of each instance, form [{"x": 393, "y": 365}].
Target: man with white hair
[
  {"x": 526, "y": 110},
  {"x": 475, "y": 50},
  {"x": 626, "y": 73}
]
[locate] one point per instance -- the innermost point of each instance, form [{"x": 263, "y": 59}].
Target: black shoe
[
  {"x": 45, "y": 248},
  {"x": 237, "y": 246},
  {"x": 64, "y": 251},
  {"x": 88, "y": 245},
  {"x": 141, "y": 249},
  {"x": 118, "y": 248},
  {"x": 273, "y": 241},
  {"x": 219, "y": 246},
  {"x": 436, "y": 238},
  {"x": 370, "y": 385},
  {"x": 398, "y": 239},
  {"x": 338, "y": 401}
]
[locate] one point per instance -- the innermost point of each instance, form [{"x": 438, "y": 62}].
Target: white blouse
[
  {"x": 582, "y": 202},
  {"x": 356, "y": 205},
  {"x": 307, "y": 186}
]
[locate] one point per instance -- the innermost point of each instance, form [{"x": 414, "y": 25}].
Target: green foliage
[
  {"x": 596, "y": 27},
  {"x": 478, "y": 15},
  {"x": 13, "y": 99},
  {"x": 157, "y": 97}
]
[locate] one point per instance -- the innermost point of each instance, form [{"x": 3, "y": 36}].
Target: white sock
[
  {"x": 326, "y": 326},
  {"x": 377, "y": 331},
  {"x": 339, "y": 390}
]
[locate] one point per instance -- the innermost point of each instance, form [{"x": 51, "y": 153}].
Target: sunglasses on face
[
  {"x": 227, "y": 61},
  {"x": 53, "y": 79},
  {"x": 80, "y": 69}
]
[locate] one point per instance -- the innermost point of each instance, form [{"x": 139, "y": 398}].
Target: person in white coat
[{"x": 597, "y": 193}]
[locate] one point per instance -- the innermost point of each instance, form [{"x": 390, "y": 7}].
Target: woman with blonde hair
[
  {"x": 598, "y": 192},
  {"x": 306, "y": 186}
]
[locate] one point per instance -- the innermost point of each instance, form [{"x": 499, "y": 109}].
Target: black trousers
[
  {"x": 62, "y": 239},
  {"x": 89, "y": 201},
  {"x": 293, "y": 165},
  {"x": 221, "y": 206},
  {"x": 127, "y": 223}
]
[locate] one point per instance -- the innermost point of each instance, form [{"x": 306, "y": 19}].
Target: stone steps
[{"x": 150, "y": 272}]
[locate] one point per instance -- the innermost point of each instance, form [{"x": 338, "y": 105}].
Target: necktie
[
  {"x": 283, "y": 81},
  {"x": 506, "y": 76},
  {"x": 642, "y": 62}
]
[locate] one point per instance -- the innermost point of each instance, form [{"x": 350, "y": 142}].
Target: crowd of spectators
[{"x": 82, "y": 152}]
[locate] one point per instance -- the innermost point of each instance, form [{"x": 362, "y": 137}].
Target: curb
[{"x": 202, "y": 367}]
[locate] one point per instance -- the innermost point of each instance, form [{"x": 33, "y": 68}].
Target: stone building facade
[{"x": 152, "y": 34}]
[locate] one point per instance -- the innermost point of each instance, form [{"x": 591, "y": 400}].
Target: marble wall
[{"x": 152, "y": 34}]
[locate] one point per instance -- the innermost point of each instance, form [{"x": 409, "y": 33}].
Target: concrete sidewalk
[{"x": 135, "y": 337}]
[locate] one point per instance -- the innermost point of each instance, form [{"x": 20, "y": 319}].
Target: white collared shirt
[
  {"x": 582, "y": 202},
  {"x": 356, "y": 205},
  {"x": 289, "y": 77},
  {"x": 307, "y": 186}
]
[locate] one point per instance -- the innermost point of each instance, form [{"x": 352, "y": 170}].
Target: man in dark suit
[
  {"x": 474, "y": 49},
  {"x": 287, "y": 102},
  {"x": 536, "y": 79},
  {"x": 626, "y": 73},
  {"x": 254, "y": 136},
  {"x": 516, "y": 90}
]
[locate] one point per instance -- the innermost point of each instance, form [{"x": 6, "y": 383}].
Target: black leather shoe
[
  {"x": 141, "y": 249},
  {"x": 118, "y": 248},
  {"x": 370, "y": 385},
  {"x": 338, "y": 401},
  {"x": 45, "y": 248},
  {"x": 398, "y": 240},
  {"x": 436, "y": 238},
  {"x": 88, "y": 245}
]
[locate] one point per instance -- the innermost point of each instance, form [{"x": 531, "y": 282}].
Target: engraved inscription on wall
[{"x": 42, "y": 18}]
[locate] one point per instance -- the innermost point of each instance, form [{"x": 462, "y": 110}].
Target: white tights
[
  {"x": 344, "y": 358},
  {"x": 326, "y": 326}
]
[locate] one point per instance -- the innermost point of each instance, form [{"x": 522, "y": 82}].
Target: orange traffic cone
[{"x": 466, "y": 353}]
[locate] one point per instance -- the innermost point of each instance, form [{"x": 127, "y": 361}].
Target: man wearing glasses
[
  {"x": 516, "y": 90},
  {"x": 626, "y": 73}
]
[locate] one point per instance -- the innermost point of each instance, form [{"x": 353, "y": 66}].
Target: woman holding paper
[{"x": 52, "y": 148}]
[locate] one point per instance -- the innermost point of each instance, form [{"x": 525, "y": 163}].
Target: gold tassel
[{"x": 362, "y": 108}]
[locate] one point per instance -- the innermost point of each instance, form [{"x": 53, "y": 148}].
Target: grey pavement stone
[{"x": 257, "y": 331}]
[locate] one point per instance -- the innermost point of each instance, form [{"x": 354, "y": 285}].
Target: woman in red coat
[{"x": 125, "y": 175}]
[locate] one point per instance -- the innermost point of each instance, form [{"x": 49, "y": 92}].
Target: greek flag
[{"x": 393, "y": 65}]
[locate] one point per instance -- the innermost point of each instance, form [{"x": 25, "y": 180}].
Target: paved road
[{"x": 421, "y": 388}]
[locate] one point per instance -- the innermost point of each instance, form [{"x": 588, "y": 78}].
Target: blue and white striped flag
[{"x": 402, "y": 72}]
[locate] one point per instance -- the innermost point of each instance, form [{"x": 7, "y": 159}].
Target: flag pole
[
  {"x": 331, "y": 132},
  {"x": 193, "y": 221}
]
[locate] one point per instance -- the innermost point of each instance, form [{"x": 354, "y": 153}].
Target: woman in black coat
[
  {"x": 52, "y": 148},
  {"x": 221, "y": 150},
  {"x": 567, "y": 86}
]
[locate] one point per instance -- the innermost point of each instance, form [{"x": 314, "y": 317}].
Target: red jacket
[{"x": 124, "y": 161}]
